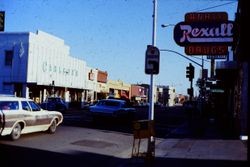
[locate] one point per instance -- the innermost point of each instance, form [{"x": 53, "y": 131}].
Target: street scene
[
  {"x": 82, "y": 141},
  {"x": 124, "y": 83}
]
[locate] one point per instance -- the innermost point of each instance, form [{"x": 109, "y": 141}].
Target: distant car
[
  {"x": 20, "y": 116},
  {"x": 113, "y": 108},
  {"x": 54, "y": 103}
]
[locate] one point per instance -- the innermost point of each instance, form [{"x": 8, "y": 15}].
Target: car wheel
[
  {"x": 16, "y": 132},
  {"x": 52, "y": 128}
]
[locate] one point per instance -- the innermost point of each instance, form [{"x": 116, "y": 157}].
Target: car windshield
[
  {"x": 53, "y": 100},
  {"x": 34, "y": 106}
]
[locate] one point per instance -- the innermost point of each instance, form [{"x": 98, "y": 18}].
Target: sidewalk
[
  {"x": 210, "y": 150},
  {"x": 210, "y": 146},
  {"x": 194, "y": 153},
  {"x": 202, "y": 149}
]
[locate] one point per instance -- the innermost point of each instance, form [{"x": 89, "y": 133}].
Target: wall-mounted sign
[
  {"x": 206, "y": 50},
  {"x": 216, "y": 56},
  {"x": 206, "y": 17},
  {"x": 205, "y": 33},
  {"x": 91, "y": 76}
]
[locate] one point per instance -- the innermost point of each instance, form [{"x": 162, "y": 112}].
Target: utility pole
[
  {"x": 151, "y": 106},
  {"x": 151, "y": 140},
  {"x": 212, "y": 68}
]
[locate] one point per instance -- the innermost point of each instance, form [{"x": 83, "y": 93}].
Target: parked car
[
  {"x": 54, "y": 103},
  {"x": 20, "y": 116},
  {"x": 113, "y": 108}
]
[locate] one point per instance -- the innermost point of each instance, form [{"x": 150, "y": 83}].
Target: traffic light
[{"x": 190, "y": 72}]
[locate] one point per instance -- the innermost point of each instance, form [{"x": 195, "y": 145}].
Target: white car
[{"x": 20, "y": 116}]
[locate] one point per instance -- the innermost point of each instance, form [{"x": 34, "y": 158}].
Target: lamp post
[
  {"x": 151, "y": 93},
  {"x": 167, "y": 25},
  {"x": 169, "y": 50},
  {"x": 151, "y": 140}
]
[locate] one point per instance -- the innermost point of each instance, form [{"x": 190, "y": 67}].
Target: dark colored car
[
  {"x": 54, "y": 103},
  {"x": 113, "y": 108}
]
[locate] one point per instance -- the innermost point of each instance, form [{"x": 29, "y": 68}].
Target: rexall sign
[{"x": 205, "y": 33}]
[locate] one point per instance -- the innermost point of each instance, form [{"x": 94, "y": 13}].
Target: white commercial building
[{"x": 37, "y": 65}]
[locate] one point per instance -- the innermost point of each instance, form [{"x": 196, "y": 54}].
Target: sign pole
[
  {"x": 151, "y": 142},
  {"x": 212, "y": 68},
  {"x": 151, "y": 108}
]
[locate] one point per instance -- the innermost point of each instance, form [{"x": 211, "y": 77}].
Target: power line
[{"x": 214, "y": 6}]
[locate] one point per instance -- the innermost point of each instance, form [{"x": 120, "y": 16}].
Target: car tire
[
  {"x": 16, "y": 132},
  {"x": 52, "y": 128}
]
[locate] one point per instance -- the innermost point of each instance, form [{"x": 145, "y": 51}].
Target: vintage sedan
[
  {"x": 112, "y": 107},
  {"x": 20, "y": 116}
]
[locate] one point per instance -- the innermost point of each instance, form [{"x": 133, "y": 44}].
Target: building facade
[
  {"x": 119, "y": 89},
  {"x": 166, "y": 95},
  {"x": 38, "y": 65},
  {"x": 139, "y": 94}
]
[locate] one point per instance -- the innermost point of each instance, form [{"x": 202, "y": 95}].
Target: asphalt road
[
  {"x": 167, "y": 121},
  {"x": 80, "y": 141}
]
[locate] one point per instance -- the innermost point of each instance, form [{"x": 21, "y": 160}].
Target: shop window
[{"x": 8, "y": 57}]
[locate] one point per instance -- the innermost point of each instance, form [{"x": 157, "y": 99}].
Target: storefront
[{"x": 38, "y": 65}]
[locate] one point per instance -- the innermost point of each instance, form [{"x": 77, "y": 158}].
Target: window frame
[{"x": 9, "y": 55}]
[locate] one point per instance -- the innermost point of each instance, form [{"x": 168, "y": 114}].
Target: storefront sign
[
  {"x": 91, "y": 76},
  {"x": 206, "y": 50},
  {"x": 205, "y": 33},
  {"x": 53, "y": 68},
  {"x": 206, "y": 17},
  {"x": 217, "y": 57}
]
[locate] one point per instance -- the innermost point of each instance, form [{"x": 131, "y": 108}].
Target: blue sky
[{"x": 112, "y": 35}]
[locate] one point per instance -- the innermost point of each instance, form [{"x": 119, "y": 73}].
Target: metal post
[
  {"x": 151, "y": 143},
  {"x": 212, "y": 68},
  {"x": 151, "y": 94}
]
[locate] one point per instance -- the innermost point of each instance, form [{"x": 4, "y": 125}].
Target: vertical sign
[
  {"x": 2, "y": 16},
  {"x": 152, "y": 60}
]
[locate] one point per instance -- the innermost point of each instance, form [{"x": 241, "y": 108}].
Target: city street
[
  {"x": 82, "y": 142},
  {"x": 124, "y": 83},
  {"x": 167, "y": 120}
]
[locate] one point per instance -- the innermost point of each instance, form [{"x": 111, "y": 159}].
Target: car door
[
  {"x": 111, "y": 107},
  {"x": 35, "y": 120},
  {"x": 41, "y": 117}
]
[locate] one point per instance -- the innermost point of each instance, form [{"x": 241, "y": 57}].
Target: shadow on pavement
[{"x": 19, "y": 156}]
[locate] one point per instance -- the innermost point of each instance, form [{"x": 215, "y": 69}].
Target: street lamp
[
  {"x": 167, "y": 25},
  {"x": 168, "y": 50}
]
